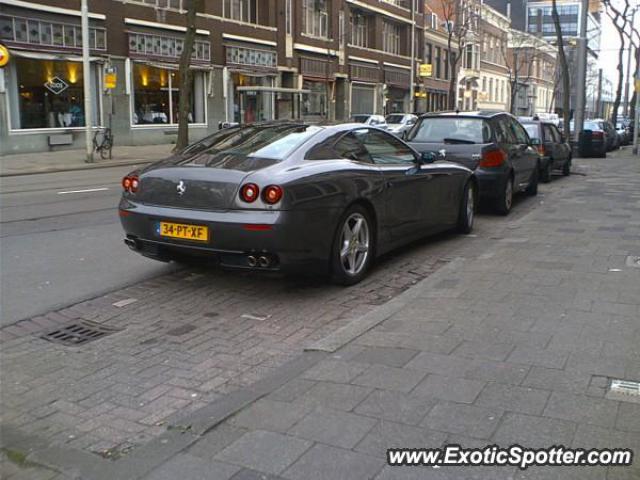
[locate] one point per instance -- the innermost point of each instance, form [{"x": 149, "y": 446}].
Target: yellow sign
[
  {"x": 638, "y": 85},
  {"x": 426, "y": 70},
  {"x": 4, "y": 55},
  {"x": 421, "y": 94},
  {"x": 110, "y": 78}
]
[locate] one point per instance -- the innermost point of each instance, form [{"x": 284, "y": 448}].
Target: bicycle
[{"x": 103, "y": 142}]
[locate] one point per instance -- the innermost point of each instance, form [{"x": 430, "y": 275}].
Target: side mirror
[
  {"x": 403, "y": 135},
  {"x": 427, "y": 157},
  {"x": 535, "y": 142}
]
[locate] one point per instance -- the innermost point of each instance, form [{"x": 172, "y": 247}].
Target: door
[
  {"x": 525, "y": 158},
  {"x": 551, "y": 145},
  {"x": 563, "y": 149},
  {"x": 409, "y": 200}
]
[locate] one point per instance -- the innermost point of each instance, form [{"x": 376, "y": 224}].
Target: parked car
[
  {"x": 494, "y": 145},
  {"x": 374, "y": 120},
  {"x": 623, "y": 133},
  {"x": 600, "y": 137},
  {"x": 554, "y": 150},
  {"x": 611, "y": 133},
  {"x": 398, "y": 123},
  {"x": 294, "y": 197}
]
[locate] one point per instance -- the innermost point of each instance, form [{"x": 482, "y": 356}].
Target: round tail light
[
  {"x": 135, "y": 183},
  {"x": 272, "y": 194},
  {"x": 126, "y": 183},
  {"x": 249, "y": 192}
]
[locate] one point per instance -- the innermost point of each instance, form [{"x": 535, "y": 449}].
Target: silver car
[
  {"x": 294, "y": 197},
  {"x": 398, "y": 123}
]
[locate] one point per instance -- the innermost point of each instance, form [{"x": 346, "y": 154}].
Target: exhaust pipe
[
  {"x": 131, "y": 243},
  {"x": 264, "y": 261},
  {"x": 252, "y": 261}
]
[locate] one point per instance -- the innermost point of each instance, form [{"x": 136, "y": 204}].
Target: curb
[{"x": 86, "y": 166}]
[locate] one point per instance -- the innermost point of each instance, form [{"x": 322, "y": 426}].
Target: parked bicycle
[{"x": 103, "y": 142}]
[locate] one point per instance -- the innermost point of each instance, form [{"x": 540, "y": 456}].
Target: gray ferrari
[{"x": 294, "y": 197}]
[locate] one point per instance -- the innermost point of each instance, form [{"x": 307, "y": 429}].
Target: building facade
[
  {"x": 253, "y": 60},
  {"x": 494, "y": 74}
]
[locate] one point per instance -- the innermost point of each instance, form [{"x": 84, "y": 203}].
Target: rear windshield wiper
[{"x": 458, "y": 140}]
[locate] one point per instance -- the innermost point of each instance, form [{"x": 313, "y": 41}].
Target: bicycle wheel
[{"x": 105, "y": 148}]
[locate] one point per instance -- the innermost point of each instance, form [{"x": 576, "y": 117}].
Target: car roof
[{"x": 483, "y": 114}]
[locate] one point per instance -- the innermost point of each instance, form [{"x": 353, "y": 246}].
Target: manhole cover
[
  {"x": 624, "y": 390},
  {"x": 78, "y": 333},
  {"x": 181, "y": 330}
]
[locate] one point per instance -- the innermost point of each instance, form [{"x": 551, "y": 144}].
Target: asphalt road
[{"x": 61, "y": 241}]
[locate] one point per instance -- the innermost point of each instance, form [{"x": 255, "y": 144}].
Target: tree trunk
[
  {"x": 616, "y": 102},
  {"x": 564, "y": 70},
  {"x": 632, "y": 109},
  {"x": 453, "y": 77},
  {"x": 184, "y": 103}
]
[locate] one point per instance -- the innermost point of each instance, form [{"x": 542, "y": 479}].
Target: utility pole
[
  {"x": 412, "y": 77},
  {"x": 581, "y": 84},
  {"x": 636, "y": 127},
  {"x": 86, "y": 77}
]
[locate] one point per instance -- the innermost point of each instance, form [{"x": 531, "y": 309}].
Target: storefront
[
  {"x": 247, "y": 66},
  {"x": 364, "y": 78},
  {"x": 318, "y": 82},
  {"x": 43, "y": 82},
  {"x": 397, "y": 80}
]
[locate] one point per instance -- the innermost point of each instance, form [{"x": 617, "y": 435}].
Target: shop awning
[
  {"x": 263, "y": 88},
  {"x": 52, "y": 56}
]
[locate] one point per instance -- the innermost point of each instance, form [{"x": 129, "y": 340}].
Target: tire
[
  {"x": 545, "y": 174},
  {"x": 504, "y": 202},
  {"x": 566, "y": 168},
  {"x": 351, "y": 259},
  {"x": 467, "y": 215},
  {"x": 532, "y": 188}
]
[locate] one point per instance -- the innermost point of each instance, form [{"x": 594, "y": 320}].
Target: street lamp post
[
  {"x": 582, "y": 71},
  {"x": 86, "y": 74}
]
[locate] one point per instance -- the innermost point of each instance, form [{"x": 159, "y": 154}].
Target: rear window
[
  {"x": 268, "y": 142},
  {"x": 532, "y": 129},
  {"x": 360, "y": 118},
  {"x": 451, "y": 130},
  {"x": 394, "y": 118}
]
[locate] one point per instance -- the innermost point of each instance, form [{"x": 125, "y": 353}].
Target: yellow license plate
[{"x": 184, "y": 231}]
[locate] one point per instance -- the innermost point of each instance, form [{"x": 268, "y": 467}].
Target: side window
[
  {"x": 503, "y": 133},
  {"x": 556, "y": 134},
  {"x": 351, "y": 148},
  {"x": 386, "y": 149},
  {"x": 519, "y": 132},
  {"x": 548, "y": 134}
]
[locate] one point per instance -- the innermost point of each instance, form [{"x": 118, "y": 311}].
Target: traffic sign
[{"x": 110, "y": 78}]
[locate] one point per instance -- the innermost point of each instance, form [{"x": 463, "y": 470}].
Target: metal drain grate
[
  {"x": 79, "y": 333},
  {"x": 624, "y": 390}
]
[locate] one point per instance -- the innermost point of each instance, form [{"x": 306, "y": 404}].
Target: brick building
[{"x": 253, "y": 60}]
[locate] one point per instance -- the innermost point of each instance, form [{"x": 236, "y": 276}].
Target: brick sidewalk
[{"x": 517, "y": 346}]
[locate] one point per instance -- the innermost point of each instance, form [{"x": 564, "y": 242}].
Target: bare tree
[
  {"x": 564, "y": 70},
  {"x": 520, "y": 58},
  {"x": 186, "y": 76},
  {"x": 620, "y": 20},
  {"x": 460, "y": 18}
]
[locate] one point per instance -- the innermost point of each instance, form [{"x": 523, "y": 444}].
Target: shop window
[
  {"x": 156, "y": 96},
  {"x": 47, "y": 94},
  {"x": 39, "y": 32},
  {"x": 314, "y": 103}
]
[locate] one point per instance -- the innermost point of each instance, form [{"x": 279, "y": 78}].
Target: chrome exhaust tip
[
  {"x": 264, "y": 261},
  {"x": 131, "y": 243},
  {"x": 252, "y": 261}
]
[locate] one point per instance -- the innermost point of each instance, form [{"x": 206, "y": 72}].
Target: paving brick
[
  {"x": 385, "y": 435},
  {"x": 484, "y": 350},
  {"x": 270, "y": 415},
  {"x": 333, "y": 427},
  {"x": 562, "y": 380},
  {"x": 538, "y": 357},
  {"x": 499, "y": 372},
  {"x": 469, "y": 420},
  {"x": 582, "y": 409},
  {"x": 629, "y": 417},
  {"x": 441, "y": 364},
  {"x": 392, "y": 357},
  {"x": 264, "y": 451},
  {"x": 513, "y": 398},
  {"x": 333, "y": 395},
  {"x": 215, "y": 440},
  {"x": 395, "y": 406},
  {"x": 334, "y": 371},
  {"x": 389, "y": 378},
  {"x": 324, "y": 462},
  {"x": 449, "y": 388},
  {"x": 533, "y": 431},
  {"x": 187, "y": 466}
]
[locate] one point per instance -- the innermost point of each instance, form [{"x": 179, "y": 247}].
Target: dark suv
[
  {"x": 555, "y": 151},
  {"x": 495, "y": 145}
]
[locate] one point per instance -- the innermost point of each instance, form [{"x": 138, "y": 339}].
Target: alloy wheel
[{"x": 354, "y": 244}]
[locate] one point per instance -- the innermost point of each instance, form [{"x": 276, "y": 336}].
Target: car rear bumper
[
  {"x": 288, "y": 240},
  {"x": 491, "y": 182}
]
